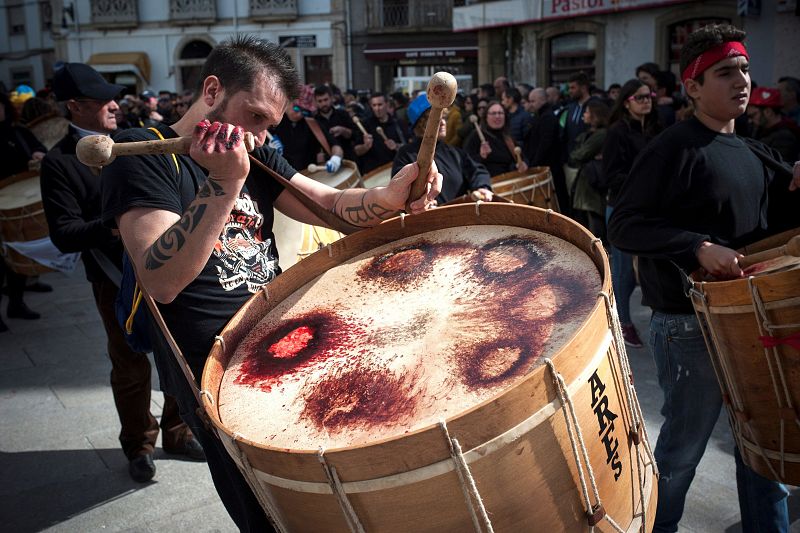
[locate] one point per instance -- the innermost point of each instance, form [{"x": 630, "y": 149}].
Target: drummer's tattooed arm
[
  {"x": 210, "y": 188},
  {"x": 364, "y": 214},
  {"x": 175, "y": 237}
]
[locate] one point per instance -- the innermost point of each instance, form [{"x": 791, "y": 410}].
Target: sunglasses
[{"x": 642, "y": 98}]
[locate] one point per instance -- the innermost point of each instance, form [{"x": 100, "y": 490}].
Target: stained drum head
[{"x": 408, "y": 333}]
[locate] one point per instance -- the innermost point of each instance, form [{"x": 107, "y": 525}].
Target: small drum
[
  {"x": 752, "y": 329},
  {"x": 346, "y": 177},
  {"x": 296, "y": 241},
  {"x": 378, "y": 177},
  {"x": 532, "y": 187},
  {"x": 22, "y": 219},
  {"x": 458, "y": 369}
]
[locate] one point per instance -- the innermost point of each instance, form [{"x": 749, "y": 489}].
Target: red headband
[{"x": 709, "y": 57}]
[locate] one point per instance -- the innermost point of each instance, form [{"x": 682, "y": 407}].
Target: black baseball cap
[{"x": 78, "y": 80}]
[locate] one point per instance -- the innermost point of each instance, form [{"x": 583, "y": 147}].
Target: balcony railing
[
  {"x": 115, "y": 13},
  {"x": 193, "y": 11},
  {"x": 267, "y": 10},
  {"x": 408, "y": 15}
]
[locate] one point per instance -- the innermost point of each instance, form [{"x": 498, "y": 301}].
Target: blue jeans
[
  {"x": 692, "y": 404},
  {"x": 623, "y": 280}
]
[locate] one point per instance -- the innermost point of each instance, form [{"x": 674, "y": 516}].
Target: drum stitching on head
[
  {"x": 208, "y": 395},
  {"x": 330, "y": 250},
  {"x": 264, "y": 292},
  {"x": 478, "y": 207},
  {"x": 403, "y": 220},
  {"x": 353, "y": 522}
]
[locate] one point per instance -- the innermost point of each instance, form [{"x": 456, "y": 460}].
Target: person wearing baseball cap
[
  {"x": 72, "y": 203},
  {"x": 770, "y": 126},
  {"x": 462, "y": 175}
]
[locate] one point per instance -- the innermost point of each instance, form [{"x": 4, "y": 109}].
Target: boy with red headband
[{"x": 696, "y": 193}]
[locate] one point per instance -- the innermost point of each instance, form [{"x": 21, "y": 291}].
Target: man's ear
[
  {"x": 212, "y": 90},
  {"x": 692, "y": 88}
]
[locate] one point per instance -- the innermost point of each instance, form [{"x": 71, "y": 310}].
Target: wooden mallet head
[{"x": 441, "y": 92}]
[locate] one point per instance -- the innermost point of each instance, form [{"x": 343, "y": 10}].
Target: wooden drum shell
[
  {"x": 728, "y": 314},
  {"x": 527, "y": 479},
  {"x": 23, "y": 223},
  {"x": 532, "y": 187}
]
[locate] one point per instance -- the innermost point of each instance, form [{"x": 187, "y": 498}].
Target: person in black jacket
[
  {"x": 372, "y": 148},
  {"x": 336, "y": 122},
  {"x": 19, "y": 148},
  {"x": 72, "y": 202},
  {"x": 634, "y": 122},
  {"x": 462, "y": 175},
  {"x": 694, "y": 195}
]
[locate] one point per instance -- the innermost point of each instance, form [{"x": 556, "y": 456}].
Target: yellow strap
[
  {"x": 137, "y": 299},
  {"x": 175, "y": 159}
]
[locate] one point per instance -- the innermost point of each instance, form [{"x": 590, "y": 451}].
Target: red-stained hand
[
  {"x": 220, "y": 149},
  {"x": 719, "y": 261}
]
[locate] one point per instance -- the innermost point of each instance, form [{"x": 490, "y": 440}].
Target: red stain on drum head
[
  {"x": 360, "y": 398},
  {"x": 296, "y": 344}
]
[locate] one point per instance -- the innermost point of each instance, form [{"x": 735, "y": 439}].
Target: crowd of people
[{"x": 606, "y": 149}]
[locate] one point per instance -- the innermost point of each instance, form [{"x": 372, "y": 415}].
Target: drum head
[
  {"x": 411, "y": 332},
  {"x": 20, "y": 194}
]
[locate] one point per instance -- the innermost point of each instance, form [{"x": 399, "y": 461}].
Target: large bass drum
[{"x": 457, "y": 370}]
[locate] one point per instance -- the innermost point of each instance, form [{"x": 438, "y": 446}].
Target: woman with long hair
[
  {"x": 588, "y": 203},
  {"x": 633, "y": 123},
  {"x": 496, "y": 153}
]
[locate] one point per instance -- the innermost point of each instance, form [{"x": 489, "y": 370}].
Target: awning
[
  {"x": 136, "y": 62},
  {"x": 376, "y": 53}
]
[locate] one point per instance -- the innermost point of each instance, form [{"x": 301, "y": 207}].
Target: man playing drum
[
  {"x": 695, "y": 194},
  {"x": 461, "y": 174},
  {"x": 199, "y": 227}
]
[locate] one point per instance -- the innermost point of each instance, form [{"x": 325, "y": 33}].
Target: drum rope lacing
[
  {"x": 767, "y": 328},
  {"x": 637, "y": 418},
  {"x": 730, "y": 392},
  {"x": 262, "y": 492},
  {"x": 341, "y": 496},
  {"x": 468, "y": 486},
  {"x": 595, "y": 512}
]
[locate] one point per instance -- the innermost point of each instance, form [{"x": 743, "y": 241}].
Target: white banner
[{"x": 43, "y": 251}]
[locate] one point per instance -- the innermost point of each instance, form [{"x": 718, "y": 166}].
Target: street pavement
[{"x": 61, "y": 468}]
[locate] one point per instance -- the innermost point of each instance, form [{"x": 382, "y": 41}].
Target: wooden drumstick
[
  {"x": 792, "y": 247},
  {"x": 518, "y": 155},
  {"x": 380, "y": 132},
  {"x": 441, "y": 92},
  {"x": 100, "y": 150},
  {"x": 315, "y": 168},
  {"x": 474, "y": 120},
  {"x": 357, "y": 122}
]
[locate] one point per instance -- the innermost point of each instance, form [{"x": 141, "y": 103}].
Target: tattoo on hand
[
  {"x": 361, "y": 215},
  {"x": 210, "y": 188},
  {"x": 174, "y": 238}
]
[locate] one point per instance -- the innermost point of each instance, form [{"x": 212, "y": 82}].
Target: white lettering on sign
[
  {"x": 565, "y": 7},
  {"x": 605, "y": 421}
]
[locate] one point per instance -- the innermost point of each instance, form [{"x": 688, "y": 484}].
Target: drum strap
[{"x": 317, "y": 131}]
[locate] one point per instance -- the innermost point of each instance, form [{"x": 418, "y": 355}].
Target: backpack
[{"x": 134, "y": 318}]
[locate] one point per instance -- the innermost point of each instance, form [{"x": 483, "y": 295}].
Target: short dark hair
[
  {"x": 649, "y": 67},
  {"x": 239, "y": 60},
  {"x": 399, "y": 97},
  {"x": 377, "y": 95},
  {"x": 580, "y": 78},
  {"x": 488, "y": 88},
  {"x": 706, "y": 38},
  {"x": 665, "y": 79},
  {"x": 514, "y": 94},
  {"x": 792, "y": 83},
  {"x": 320, "y": 90},
  {"x": 614, "y": 86}
]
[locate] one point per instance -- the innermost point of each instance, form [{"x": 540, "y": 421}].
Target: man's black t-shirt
[
  {"x": 379, "y": 154},
  {"x": 460, "y": 173},
  {"x": 300, "y": 145},
  {"x": 690, "y": 185},
  {"x": 243, "y": 259},
  {"x": 339, "y": 117}
]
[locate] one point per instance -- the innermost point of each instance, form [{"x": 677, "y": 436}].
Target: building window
[
  {"x": 46, "y": 16},
  {"x": 395, "y": 13},
  {"x": 677, "y": 35},
  {"x": 16, "y": 20},
  {"x": 318, "y": 69},
  {"x": 571, "y": 53},
  {"x": 190, "y": 63}
]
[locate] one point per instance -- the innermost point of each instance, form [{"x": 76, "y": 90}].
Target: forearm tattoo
[
  {"x": 363, "y": 214},
  {"x": 210, "y": 188},
  {"x": 174, "y": 238}
]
